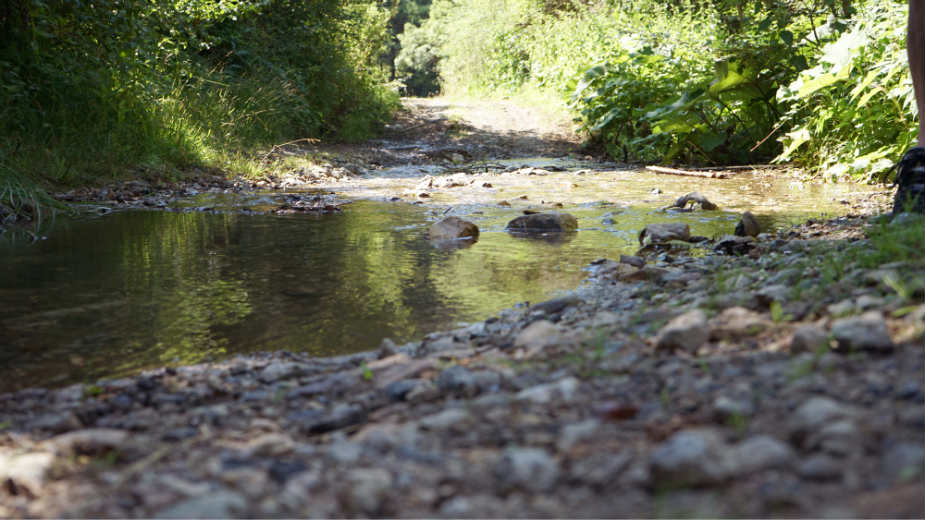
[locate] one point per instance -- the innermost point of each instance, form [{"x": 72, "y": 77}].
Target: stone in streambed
[
  {"x": 691, "y": 457},
  {"x": 659, "y": 233},
  {"x": 532, "y": 469},
  {"x": 543, "y": 223},
  {"x": 453, "y": 228},
  {"x": 747, "y": 226}
]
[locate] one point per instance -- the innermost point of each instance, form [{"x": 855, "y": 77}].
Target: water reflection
[{"x": 109, "y": 296}]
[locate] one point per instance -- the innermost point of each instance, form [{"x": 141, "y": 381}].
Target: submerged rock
[
  {"x": 691, "y": 199},
  {"x": 659, "y": 233},
  {"x": 543, "y": 223},
  {"x": 452, "y": 228}
]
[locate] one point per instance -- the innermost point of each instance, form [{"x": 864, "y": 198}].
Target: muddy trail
[{"x": 694, "y": 371}]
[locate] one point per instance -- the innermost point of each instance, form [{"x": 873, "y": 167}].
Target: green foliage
[
  {"x": 852, "y": 112},
  {"x": 91, "y": 89},
  {"x": 821, "y": 83}
]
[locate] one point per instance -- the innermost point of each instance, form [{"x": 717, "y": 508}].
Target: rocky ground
[
  {"x": 780, "y": 375},
  {"x": 783, "y": 382}
]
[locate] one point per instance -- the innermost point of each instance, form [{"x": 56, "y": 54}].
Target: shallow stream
[{"x": 107, "y": 296}]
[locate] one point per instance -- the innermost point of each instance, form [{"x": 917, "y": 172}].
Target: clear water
[{"x": 108, "y": 296}]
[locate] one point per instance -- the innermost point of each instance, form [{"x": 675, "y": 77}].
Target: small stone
[
  {"x": 398, "y": 390},
  {"x": 841, "y": 308},
  {"x": 453, "y": 228},
  {"x": 563, "y": 389},
  {"x": 820, "y": 467},
  {"x": 747, "y": 226},
  {"x": 691, "y": 457},
  {"x": 726, "y": 408},
  {"x": 634, "y": 261},
  {"x": 686, "y": 332},
  {"x": 574, "y": 433},
  {"x": 816, "y": 413},
  {"x": 457, "y": 379},
  {"x": 282, "y": 370},
  {"x": 838, "y": 438},
  {"x": 736, "y": 323},
  {"x": 531, "y": 469},
  {"x": 445, "y": 419},
  {"x": 760, "y": 453},
  {"x": 366, "y": 490},
  {"x": 537, "y": 336},
  {"x": 221, "y": 504},
  {"x": 387, "y": 348},
  {"x": 904, "y": 462},
  {"x": 808, "y": 338},
  {"x": 773, "y": 293},
  {"x": 865, "y": 332},
  {"x": 271, "y": 445},
  {"x": 555, "y": 305}
]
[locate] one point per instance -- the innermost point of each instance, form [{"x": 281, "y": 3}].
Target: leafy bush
[
  {"x": 91, "y": 89},
  {"x": 852, "y": 112}
]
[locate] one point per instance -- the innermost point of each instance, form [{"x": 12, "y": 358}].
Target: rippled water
[{"x": 108, "y": 296}]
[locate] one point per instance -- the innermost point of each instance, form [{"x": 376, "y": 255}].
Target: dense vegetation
[
  {"x": 90, "y": 89},
  {"x": 822, "y": 82}
]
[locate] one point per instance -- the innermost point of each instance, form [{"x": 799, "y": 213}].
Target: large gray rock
[
  {"x": 531, "y": 469},
  {"x": 452, "y": 228},
  {"x": 865, "y": 332},
  {"x": 543, "y": 223},
  {"x": 686, "y": 332},
  {"x": 690, "y": 458}
]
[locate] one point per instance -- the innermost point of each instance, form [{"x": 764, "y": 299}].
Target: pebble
[
  {"x": 531, "y": 469},
  {"x": 445, "y": 419},
  {"x": 458, "y": 380},
  {"x": 217, "y": 504},
  {"x": 808, "y": 338},
  {"x": 760, "y": 453},
  {"x": 537, "y": 336},
  {"x": 865, "y": 332},
  {"x": 686, "y": 332},
  {"x": 735, "y": 323},
  {"x": 815, "y": 414},
  {"x": 564, "y": 389},
  {"x": 574, "y": 433},
  {"x": 691, "y": 457},
  {"x": 366, "y": 490},
  {"x": 820, "y": 467}
]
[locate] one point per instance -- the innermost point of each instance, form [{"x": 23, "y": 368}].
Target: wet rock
[
  {"x": 686, "y": 332},
  {"x": 692, "y": 199},
  {"x": 693, "y": 457},
  {"x": 660, "y": 233},
  {"x": 367, "y": 490},
  {"x": 555, "y": 305},
  {"x": 531, "y": 469},
  {"x": 221, "y": 504},
  {"x": 543, "y": 223},
  {"x": 735, "y": 323},
  {"x": 865, "y": 332},
  {"x": 28, "y": 470},
  {"x": 452, "y": 228},
  {"x": 820, "y": 467},
  {"x": 733, "y": 245},
  {"x": 760, "y": 453},
  {"x": 457, "y": 380},
  {"x": 634, "y": 261},
  {"x": 808, "y": 338},
  {"x": 747, "y": 226}
]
